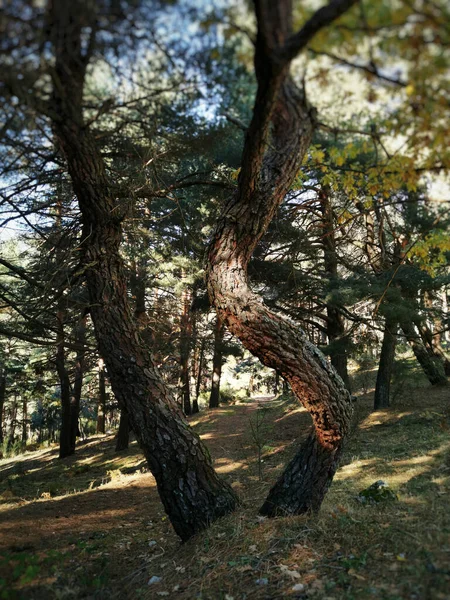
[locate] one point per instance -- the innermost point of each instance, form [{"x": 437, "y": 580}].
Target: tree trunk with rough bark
[
  {"x": 192, "y": 493},
  {"x": 385, "y": 366},
  {"x": 277, "y": 139},
  {"x": 214, "y": 397}
]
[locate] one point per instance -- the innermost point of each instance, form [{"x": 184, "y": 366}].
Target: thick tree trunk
[
  {"x": 385, "y": 366},
  {"x": 305, "y": 481},
  {"x": 123, "y": 435},
  {"x": 2, "y": 400},
  {"x": 101, "y": 406},
  {"x": 192, "y": 493},
  {"x": 214, "y": 397},
  {"x": 432, "y": 366},
  {"x": 277, "y": 139}
]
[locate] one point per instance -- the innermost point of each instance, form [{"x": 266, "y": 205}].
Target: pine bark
[
  {"x": 385, "y": 366},
  {"x": 277, "y": 139},
  {"x": 214, "y": 397},
  {"x": 192, "y": 493}
]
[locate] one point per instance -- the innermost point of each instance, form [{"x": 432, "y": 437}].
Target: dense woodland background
[{"x": 148, "y": 203}]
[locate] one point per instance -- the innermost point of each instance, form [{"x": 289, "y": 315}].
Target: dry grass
[{"x": 108, "y": 538}]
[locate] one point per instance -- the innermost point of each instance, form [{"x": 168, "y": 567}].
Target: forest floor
[{"x": 92, "y": 525}]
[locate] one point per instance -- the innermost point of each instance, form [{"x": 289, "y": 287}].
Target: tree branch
[{"x": 320, "y": 19}]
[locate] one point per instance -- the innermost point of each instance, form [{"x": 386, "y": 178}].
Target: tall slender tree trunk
[
  {"x": 2, "y": 400},
  {"x": 385, "y": 366},
  {"x": 276, "y": 386},
  {"x": 335, "y": 322},
  {"x": 123, "y": 435},
  {"x": 65, "y": 447},
  {"x": 198, "y": 382},
  {"x": 185, "y": 350},
  {"x": 432, "y": 366},
  {"x": 214, "y": 397},
  {"x": 431, "y": 333},
  {"x": 277, "y": 139},
  {"x": 192, "y": 493},
  {"x": 24, "y": 420},
  {"x": 80, "y": 338},
  {"x": 101, "y": 410}
]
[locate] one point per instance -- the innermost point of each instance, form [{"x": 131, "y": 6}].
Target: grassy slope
[{"x": 92, "y": 526}]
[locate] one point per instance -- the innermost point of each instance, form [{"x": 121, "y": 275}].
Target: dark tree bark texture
[
  {"x": 277, "y": 139},
  {"x": 192, "y": 493},
  {"x": 123, "y": 435},
  {"x": 385, "y": 366}
]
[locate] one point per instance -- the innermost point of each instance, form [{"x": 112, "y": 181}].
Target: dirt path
[{"x": 116, "y": 500}]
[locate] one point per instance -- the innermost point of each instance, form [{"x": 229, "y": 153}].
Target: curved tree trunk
[
  {"x": 192, "y": 493},
  {"x": 277, "y": 139},
  {"x": 387, "y": 356}
]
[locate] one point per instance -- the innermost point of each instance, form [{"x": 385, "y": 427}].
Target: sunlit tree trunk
[{"x": 277, "y": 139}]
